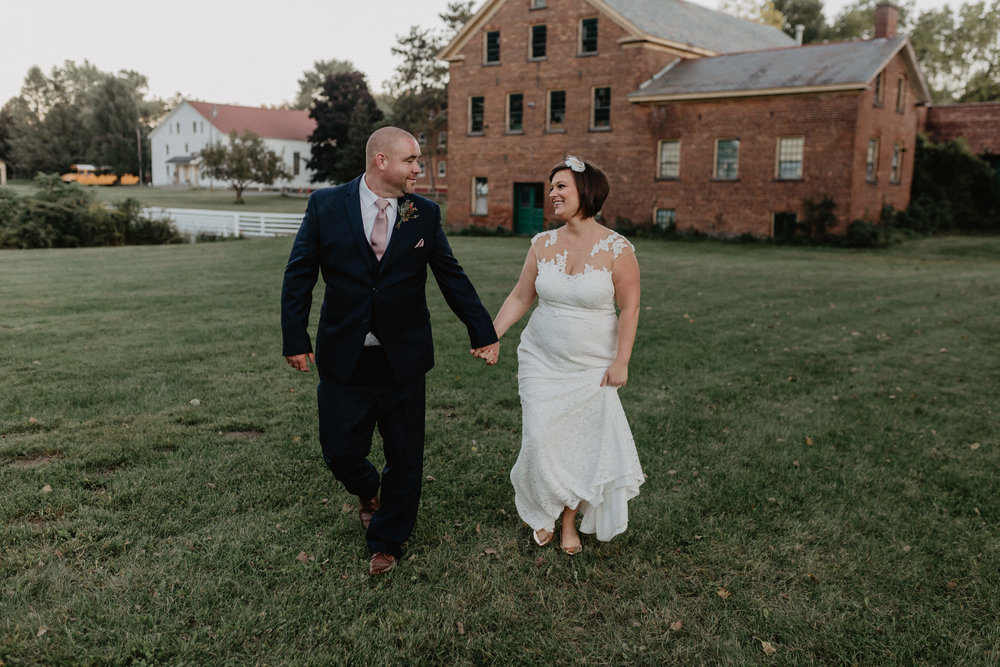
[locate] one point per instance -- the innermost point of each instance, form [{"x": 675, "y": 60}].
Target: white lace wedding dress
[{"x": 576, "y": 447}]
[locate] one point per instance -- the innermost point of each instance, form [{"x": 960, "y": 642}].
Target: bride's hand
[{"x": 616, "y": 375}]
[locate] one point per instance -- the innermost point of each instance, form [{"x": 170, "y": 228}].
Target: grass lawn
[{"x": 819, "y": 428}]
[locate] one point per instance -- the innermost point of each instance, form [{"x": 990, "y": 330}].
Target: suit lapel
[
  {"x": 397, "y": 239},
  {"x": 352, "y": 205}
]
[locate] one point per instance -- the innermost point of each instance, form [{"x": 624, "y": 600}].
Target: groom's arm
[{"x": 301, "y": 274}]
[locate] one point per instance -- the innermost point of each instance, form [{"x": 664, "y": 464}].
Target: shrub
[{"x": 66, "y": 215}]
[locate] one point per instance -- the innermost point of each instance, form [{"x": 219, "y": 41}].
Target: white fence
[{"x": 192, "y": 221}]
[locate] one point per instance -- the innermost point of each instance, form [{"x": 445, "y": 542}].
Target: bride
[{"x": 577, "y": 452}]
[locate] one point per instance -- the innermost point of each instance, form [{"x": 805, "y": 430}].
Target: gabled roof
[
  {"x": 268, "y": 123},
  {"x": 676, "y": 24},
  {"x": 812, "y": 68}
]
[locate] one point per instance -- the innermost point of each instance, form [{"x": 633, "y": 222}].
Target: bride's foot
[
  {"x": 543, "y": 537},
  {"x": 569, "y": 541}
]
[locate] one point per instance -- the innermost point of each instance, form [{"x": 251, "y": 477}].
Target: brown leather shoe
[
  {"x": 381, "y": 563},
  {"x": 366, "y": 509}
]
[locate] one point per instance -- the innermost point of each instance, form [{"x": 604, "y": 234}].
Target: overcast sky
[{"x": 248, "y": 52}]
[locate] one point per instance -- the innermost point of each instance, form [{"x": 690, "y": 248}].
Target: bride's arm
[
  {"x": 626, "y": 280},
  {"x": 520, "y": 298}
]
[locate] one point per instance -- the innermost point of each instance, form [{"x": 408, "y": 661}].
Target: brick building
[
  {"x": 976, "y": 122},
  {"x": 700, "y": 120}
]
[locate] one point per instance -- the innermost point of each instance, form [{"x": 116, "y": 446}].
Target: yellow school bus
[{"x": 87, "y": 174}]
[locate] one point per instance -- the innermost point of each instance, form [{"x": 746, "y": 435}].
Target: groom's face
[{"x": 402, "y": 167}]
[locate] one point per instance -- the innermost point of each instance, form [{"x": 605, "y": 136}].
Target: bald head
[
  {"x": 385, "y": 140},
  {"x": 392, "y": 159}
]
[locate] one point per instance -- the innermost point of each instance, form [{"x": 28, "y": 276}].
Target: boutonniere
[{"x": 407, "y": 211}]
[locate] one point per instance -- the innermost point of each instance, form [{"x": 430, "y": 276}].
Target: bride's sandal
[
  {"x": 572, "y": 551},
  {"x": 545, "y": 538}
]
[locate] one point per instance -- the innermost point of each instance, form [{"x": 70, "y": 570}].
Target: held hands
[
  {"x": 616, "y": 375},
  {"x": 300, "y": 362},
  {"x": 489, "y": 353}
]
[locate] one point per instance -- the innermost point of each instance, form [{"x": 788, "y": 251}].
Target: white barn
[{"x": 190, "y": 126}]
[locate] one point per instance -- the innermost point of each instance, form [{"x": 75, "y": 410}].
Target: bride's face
[{"x": 564, "y": 196}]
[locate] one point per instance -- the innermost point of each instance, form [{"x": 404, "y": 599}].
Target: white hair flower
[{"x": 575, "y": 163}]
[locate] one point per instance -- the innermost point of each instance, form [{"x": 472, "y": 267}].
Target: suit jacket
[{"x": 363, "y": 294}]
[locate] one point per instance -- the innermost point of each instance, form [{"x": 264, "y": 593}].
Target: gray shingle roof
[
  {"x": 816, "y": 65},
  {"x": 694, "y": 25}
]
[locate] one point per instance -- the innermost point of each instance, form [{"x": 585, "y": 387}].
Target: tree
[
  {"x": 420, "y": 84},
  {"x": 345, "y": 107},
  {"x": 808, "y": 14},
  {"x": 244, "y": 161},
  {"x": 760, "y": 11},
  {"x": 78, "y": 113},
  {"x": 311, "y": 83}
]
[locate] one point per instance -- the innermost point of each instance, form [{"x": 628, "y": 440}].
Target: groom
[{"x": 373, "y": 240}]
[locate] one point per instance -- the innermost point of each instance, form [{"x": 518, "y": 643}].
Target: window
[
  {"x": 480, "y": 191},
  {"x": 515, "y": 112},
  {"x": 186, "y": 149},
  {"x": 194, "y": 126},
  {"x": 492, "y": 47},
  {"x": 202, "y": 124},
  {"x": 557, "y": 110},
  {"x": 601, "y": 116},
  {"x": 784, "y": 226},
  {"x": 178, "y": 127},
  {"x": 871, "y": 160},
  {"x": 442, "y": 139},
  {"x": 900, "y": 95},
  {"x": 442, "y": 170},
  {"x": 476, "y": 107},
  {"x": 670, "y": 159},
  {"x": 588, "y": 37},
  {"x": 790, "y": 158},
  {"x": 168, "y": 148},
  {"x": 538, "y": 35},
  {"x": 727, "y": 157},
  {"x": 539, "y": 4},
  {"x": 879, "y": 89},
  {"x": 423, "y": 171},
  {"x": 422, "y": 140},
  {"x": 666, "y": 218},
  {"x": 296, "y": 157},
  {"x": 895, "y": 175}
]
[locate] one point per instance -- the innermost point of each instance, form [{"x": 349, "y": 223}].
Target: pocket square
[{"x": 420, "y": 244}]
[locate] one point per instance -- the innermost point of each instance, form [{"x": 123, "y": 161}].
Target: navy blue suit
[{"x": 361, "y": 388}]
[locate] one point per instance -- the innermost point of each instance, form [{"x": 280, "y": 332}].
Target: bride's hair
[{"x": 591, "y": 184}]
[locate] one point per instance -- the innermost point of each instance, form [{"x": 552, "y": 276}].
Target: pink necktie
[{"x": 381, "y": 228}]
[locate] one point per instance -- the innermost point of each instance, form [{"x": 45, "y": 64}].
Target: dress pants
[{"x": 349, "y": 412}]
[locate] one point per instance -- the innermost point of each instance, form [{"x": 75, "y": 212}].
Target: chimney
[
  {"x": 799, "y": 31},
  {"x": 885, "y": 20}
]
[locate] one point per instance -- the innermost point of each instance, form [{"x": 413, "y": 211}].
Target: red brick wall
[
  {"x": 836, "y": 128},
  {"x": 889, "y": 126},
  {"x": 508, "y": 158},
  {"x": 978, "y": 123}
]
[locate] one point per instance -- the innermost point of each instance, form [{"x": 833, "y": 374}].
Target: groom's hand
[
  {"x": 300, "y": 362},
  {"x": 489, "y": 353}
]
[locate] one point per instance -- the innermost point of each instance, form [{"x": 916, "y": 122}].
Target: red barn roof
[{"x": 268, "y": 123}]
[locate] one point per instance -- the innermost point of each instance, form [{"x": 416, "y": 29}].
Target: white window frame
[
  {"x": 660, "y": 162},
  {"x": 579, "y": 39},
  {"x": 789, "y": 147},
  {"x": 593, "y": 109},
  {"x": 482, "y": 198},
  {"x": 715, "y": 161},
  {"x": 871, "y": 160}
]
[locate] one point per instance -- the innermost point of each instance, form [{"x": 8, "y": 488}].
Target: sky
[{"x": 250, "y": 52}]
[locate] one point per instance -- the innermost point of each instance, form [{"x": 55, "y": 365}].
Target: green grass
[{"x": 819, "y": 429}]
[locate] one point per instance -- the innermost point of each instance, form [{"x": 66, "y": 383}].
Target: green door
[{"x": 529, "y": 208}]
